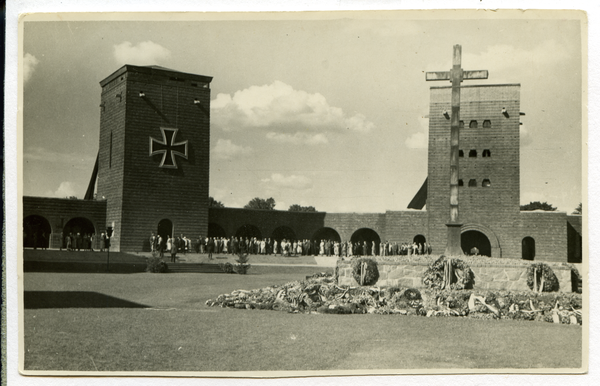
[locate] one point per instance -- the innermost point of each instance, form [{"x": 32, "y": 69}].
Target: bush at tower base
[
  {"x": 320, "y": 294},
  {"x": 156, "y": 265}
]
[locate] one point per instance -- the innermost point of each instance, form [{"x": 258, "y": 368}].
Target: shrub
[
  {"x": 226, "y": 267},
  {"x": 541, "y": 278},
  {"x": 156, "y": 265},
  {"x": 242, "y": 265},
  {"x": 365, "y": 271}
]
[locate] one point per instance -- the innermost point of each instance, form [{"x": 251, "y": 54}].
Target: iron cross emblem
[{"x": 168, "y": 148}]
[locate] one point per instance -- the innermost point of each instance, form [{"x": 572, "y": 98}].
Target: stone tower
[
  {"x": 489, "y": 186},
  {"x": 153, "y": 165}
]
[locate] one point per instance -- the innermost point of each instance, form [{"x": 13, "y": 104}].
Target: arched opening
[
  {"x": 460, "y": 182},
  {"x": 248, "y": 231},
  {"x": 461, "y": 153},
  {"x": 283, "y": 232},
  {"x": 486, "y": 153},
  {"x": 327, "y": 234},
  {"x": 486, "y": 183},
  {"x": 487, "y": 124},
  {"x": 419, "y": 239},
  {"x": 473, "y": 124},
  {"x": 215, "y": 230},
  {"x": 472, "y": 182},
  {"x": 461, "y": 124},
  {"x": 165, "y": 229},
  {"x": 528, "y": 248},
  {"x": 78, "y": 228},
  {"x": 365, "y": 234},
  {"x": 473, "y": 153},
  {"x": 36, "y": 232},
  {"x": 475, "y": 243}
]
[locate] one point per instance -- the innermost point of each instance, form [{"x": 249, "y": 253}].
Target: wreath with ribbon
[
  {"x": 541, "y": 278},
  {"x": 448, "y": 273},
  {"x": 365, "y": 271}
]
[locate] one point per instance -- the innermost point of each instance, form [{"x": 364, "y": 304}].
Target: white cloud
[
  {"x": 279, "y": 181},
  {"x": 417, "y": 141},
  {"x": 420, "y": 139},
  {"x": 299, "y": 137},
  {"x": 225, "y": 149},
  {"x": 144, "y": 53},
  {"x": 280, "y": 109},
  {"x": 66, "y": 189},
  {"x": 29, "y": 64},
  {"x": 504, "y": 56}
]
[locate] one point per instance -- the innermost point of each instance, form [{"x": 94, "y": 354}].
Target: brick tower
[
  {"x": 153, "y": 165},
  {"x": 489, "y": 186}
]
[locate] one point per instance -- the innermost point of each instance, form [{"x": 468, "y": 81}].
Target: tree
[
  {"x": 536, "y": 205},
  {"x": 299, "y": 208},
  {"x": 579, "y": 209},
  {"x": 212, "y": 203},
  {"x": 261, "y": 203}
]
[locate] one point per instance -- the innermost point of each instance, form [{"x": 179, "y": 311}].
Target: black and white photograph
[{"x": 303, "y": 194}]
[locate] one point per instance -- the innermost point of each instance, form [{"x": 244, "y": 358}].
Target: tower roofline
[
  {"x": 481, "y": 85},
  {"x": 155, "y": 70}
]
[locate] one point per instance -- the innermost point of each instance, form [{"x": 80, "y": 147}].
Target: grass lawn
[{"x": 158, "y": 322}]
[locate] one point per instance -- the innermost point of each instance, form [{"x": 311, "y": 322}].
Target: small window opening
[
  {"x": 461, "y": 124},
  {"x": 194, "y": 84},
  {"x": 473, "y": 124},
  {"x": 473, "y": 153},
  {"x": 487, "y": 124},
  {"x": 486, "y": 153},
  {"x": 472, "y": 182},
  {"x": 461, "y": 153},
  {"x": 460, "y": 182},
  {"x": 486, "y": 183}
]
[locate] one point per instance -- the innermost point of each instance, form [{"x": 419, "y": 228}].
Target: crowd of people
[{"x": 284, "y": 247}]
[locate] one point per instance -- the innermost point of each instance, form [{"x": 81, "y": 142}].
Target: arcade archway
[
  {"x": 327, "y": 234},
  {"x": 365, "y": 234},
  {"x": 528, "y": 248},
  {"x": 419, "y": 239},
  {"x": 283, "y": 232},
  {"x": 470, "y": 240},
  {"x": 78, "y": 228},
  {"x": 36, "y": 232},
  {"x": 248, "y": 231},
  {"x": 215, "y": 230},
  {"x": 165, "y": 229}
]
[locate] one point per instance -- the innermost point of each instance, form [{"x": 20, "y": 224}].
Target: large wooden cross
[{"x": 456, "y": 75}]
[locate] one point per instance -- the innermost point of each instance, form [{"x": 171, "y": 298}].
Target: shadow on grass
[
  {"x": 74, "y": 299},
  {"x": 193, "y": 268},
  {"x": 81, "y": 267}
]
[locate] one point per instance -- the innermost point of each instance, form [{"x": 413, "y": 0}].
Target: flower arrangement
[
  {"x": 242, "y": 265},
  {"x": 541, "y": 278},
  {"x": 365, "y": 271},
  {"x": 156, "y": 265},
  {"x": 449, "y": 273}
]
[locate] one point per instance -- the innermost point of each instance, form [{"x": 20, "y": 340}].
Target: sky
[{"x": 327, "y": 113}]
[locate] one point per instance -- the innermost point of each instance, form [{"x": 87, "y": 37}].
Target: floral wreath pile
[
  {"x": 156, "y": 265},
  {"x": 449, "y": 273},
  {"x": 320, "y": 294}
]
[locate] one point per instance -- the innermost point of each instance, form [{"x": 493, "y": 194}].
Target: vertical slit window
[
  {"x": 460, "y": 182},
  {"x": 110, "y": 151},
  {"x": 461, "y": 153}
]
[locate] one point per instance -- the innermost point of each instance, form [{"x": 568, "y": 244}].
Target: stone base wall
[{"x": 492, "y": 277}]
